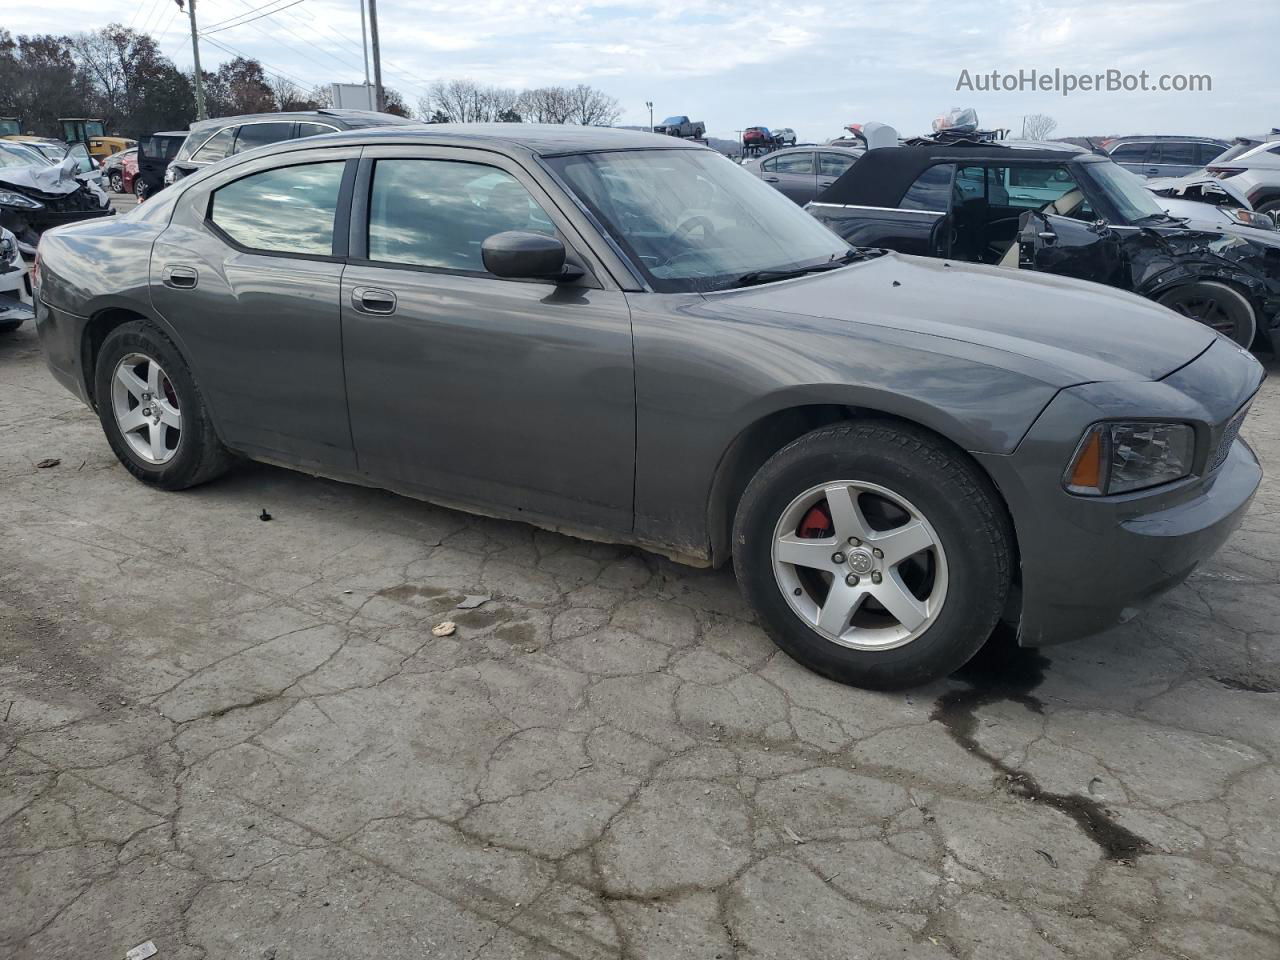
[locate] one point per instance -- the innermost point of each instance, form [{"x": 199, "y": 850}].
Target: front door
[
  {"x": 1071, "y": 248},
  {"x": 792, "y": 174},
  {"x": 501, "y": 393}
]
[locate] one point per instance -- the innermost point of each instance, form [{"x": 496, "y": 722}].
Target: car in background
[
  {"x": 212, "y": 140},
  {"x": 757, "y": 139},
  {"x": 1055, "y": 208},
  {"x": 1161, "y": 156},
  {"x": 155, "y": 154},
  {"x": 36, "y": 194},
  {"x": 895, "y": 456},
  {"x": 113, "y": 169},
  {"x": 801, "y": 173},
  {"x": 15, "y": 284},
  {"x": 682, "y": 126},
  {"x": 784, "y": 136}
]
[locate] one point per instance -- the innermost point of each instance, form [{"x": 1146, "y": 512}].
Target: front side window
[
  {"x": 437, "y": 213},
  {"x": 691, "y": 220},
  {"x": 285, "y": 210},
  {"x": 1030, "y": 187},
  {"x": 217, "y": 147},
  {"x": 931, "y": 189},
  {"x": 260, "y": 134},
  {"x": 834, "y": 164},
  {"x": 1130, "y": 152}
]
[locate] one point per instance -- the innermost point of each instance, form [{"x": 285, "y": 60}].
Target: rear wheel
[
  {"x": 152, "y": 411},
  {"x": 1216, "y": 305},
  {"x": 117, "y": 182},
  {"x": 874, "y": 553},
  {"x": 140, "y": 189}
]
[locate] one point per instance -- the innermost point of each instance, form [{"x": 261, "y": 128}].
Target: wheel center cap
[{"x": 861, "y": 561}]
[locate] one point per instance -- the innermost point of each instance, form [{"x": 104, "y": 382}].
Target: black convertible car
[{"x": 1058, "y": 209}]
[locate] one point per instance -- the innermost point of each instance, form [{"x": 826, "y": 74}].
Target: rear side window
[
  {"x": 217, "y": 147},
  {"x": 307, "y": 129},
  {"x": 286, "y": 210},
  {"x": 932, "y": 189},
  {"x": 797, "y": 163},
  {"x": 1174, "y": 151},
  {"x": 260, "y": 134},
  {"x": 834, "y": 164},
  {"x": 437, "y": 213},
  {"x": 1208, "y": 152},
  {"x": 1130, "y": 152}
]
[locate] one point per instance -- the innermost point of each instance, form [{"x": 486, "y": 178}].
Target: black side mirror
[{"x": 521, "y": 255}]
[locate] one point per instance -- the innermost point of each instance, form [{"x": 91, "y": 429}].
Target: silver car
[
  {"x": 629, "y": 337},
  {"x": 1164, "y": 156},
  {"x": 801, "y": 174}
]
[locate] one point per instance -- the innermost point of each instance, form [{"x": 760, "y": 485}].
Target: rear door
[
  {"x": 830, "y": 167},
  {"x": 792, "y": 174},
  {"x": 248, "y": 275},
  {"x": 1133, "y": 157},
  {"x": 501, "y": 393},
  {"x": 1173, "y": 158}
]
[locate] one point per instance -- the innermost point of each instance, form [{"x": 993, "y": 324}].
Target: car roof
[
  {"x": 880, "y": 177},
  {"x": 1143, "y": 138},
  {"x": 544, "y": 140},
  {"x": 349, "y": 118}
]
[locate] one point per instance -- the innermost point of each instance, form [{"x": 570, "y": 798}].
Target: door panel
[
  {"x": 1071, "y": 248},
  {"x": 495, "y": 392}
]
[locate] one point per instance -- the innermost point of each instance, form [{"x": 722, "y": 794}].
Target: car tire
[
  {"x": 1217, "y": 305},
  {"x": 187, "y": 451},
  {"x": 1272, "y": 207},
  {"x": 140, "y": 190},
  {"x": 117, "y": 183},
  {"x": 9, "y": 326},
  {"x": 904, "y": 481}
]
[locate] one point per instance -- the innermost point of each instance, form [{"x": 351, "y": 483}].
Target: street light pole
[
  {"x": 195, "y": 57},
  {"x": 649, "y": 104},
  {"x": 364, "y": 44}
]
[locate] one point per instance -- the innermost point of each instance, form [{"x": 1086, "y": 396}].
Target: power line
[{"x": 218, "y": 29}]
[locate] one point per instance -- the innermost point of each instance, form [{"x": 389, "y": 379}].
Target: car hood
[
  {"x": 1075, "y": 332},
  {"x": 1179, "y": 186}
]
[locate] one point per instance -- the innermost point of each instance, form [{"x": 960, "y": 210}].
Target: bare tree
[
  {"x": 547, "y": 105},
  {"x": 1038, "y": 126},
  {"x": 593, "y": 108}
]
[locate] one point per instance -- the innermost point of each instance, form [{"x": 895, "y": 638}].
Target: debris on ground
[
  {"x": 792, "y": 835},
  {"x": 264, "y": 516},
  {"x": 48, "y": 462},
  {"x": 141, "y": 951},
  {"x": 444, "y": 628},
  {"x": 471, "y": 601},
  {"x": 1048, "y": 858}
]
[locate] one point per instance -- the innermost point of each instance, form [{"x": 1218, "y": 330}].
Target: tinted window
[
  {"x": 834, "y": 164},
  {"x": 260, "y": 134},
  {"x": 797, "y": 163},
  {"x": 437, "y": 213},
  {"x": 1175, "y": 151},
  {"x": 306, "y": 129},
  {"x": 218, "y": 146},
  {"x": 289, "y": 209},
  {"x": 1130, "y": 152},
  {"x": 1208, "y": 152},
  {"x": 930, "y": 190}
]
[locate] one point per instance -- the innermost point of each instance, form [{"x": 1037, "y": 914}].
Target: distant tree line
[{"x": 120, "y": 76}]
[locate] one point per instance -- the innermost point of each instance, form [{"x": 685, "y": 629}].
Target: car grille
[{"x": 1229, "y": 435}]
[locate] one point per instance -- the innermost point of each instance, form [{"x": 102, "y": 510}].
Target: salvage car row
[{"x": 627, "y": 336}]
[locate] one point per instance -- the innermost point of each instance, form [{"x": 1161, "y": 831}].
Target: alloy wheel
[
  {"x": 860, "y": 564},
  {"x": 146, "y": 408},
  {"x": 1203, "y": 306}
]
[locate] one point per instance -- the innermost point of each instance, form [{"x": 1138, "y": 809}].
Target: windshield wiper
[{"x": 835, "y": 263}]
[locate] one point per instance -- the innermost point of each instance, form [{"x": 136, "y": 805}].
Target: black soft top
[{"x": 880, "y": 177}]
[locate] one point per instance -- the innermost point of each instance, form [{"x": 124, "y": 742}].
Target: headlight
[
  {"x": 10, "y": 199},
  {"x": 1251, "y": 218},
  {"x": 1122, "y": 457}
]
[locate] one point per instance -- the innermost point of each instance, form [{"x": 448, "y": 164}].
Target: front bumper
[{"x": 1088, "y": 563}]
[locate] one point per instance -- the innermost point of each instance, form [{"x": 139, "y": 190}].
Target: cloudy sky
[{"x": 813, "y": 65}]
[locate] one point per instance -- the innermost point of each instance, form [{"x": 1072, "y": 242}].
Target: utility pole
[
  {"x": 195, "y": 57},
  {"x": 649, "y": 104},
  {"x": 379, "y": 101},
  {"x": 364, "y": 44}
]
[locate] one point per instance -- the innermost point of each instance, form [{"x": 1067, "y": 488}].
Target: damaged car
[
  {"x": 37, "y": 196},
  {"x": 660, "y": 349},
  {"x": 1059, "y": 210},
  {"x": 15, "y": 284}
]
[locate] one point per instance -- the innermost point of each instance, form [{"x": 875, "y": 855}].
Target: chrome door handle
[
  {"x": 182, "y": 278},
  {"x": 770, "y": 179},
  {"x": 373, "y": 300}
]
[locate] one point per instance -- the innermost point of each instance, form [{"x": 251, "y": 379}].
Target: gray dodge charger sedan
[{"x": 628, "y": 337}]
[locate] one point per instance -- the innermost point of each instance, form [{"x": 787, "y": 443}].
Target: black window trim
[
  {"x": 358, "y": 227},
  {"x": 341, "y": 217}
]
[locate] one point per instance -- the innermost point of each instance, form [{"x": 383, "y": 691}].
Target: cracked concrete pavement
[{"x": 239, "y": 739}]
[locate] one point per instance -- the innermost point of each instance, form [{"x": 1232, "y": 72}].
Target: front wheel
[
  {"x": 152, "y": 411},
  {"x": 141, "y": 190},
  {"x": 1216, "y": 305},
  {"x": 117, "y": 182},
  {"x": 874, "y": 553}
]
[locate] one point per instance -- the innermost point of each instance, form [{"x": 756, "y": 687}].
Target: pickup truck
[{"x": 682, "y": 127}]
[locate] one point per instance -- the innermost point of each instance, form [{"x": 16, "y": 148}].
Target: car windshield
[
  {"x": 693, "y": 220},
  {"x": 673, "y": 120},
  {"x": 1132, "y": 200}
]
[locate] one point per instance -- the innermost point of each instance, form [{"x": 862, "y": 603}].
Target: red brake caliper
[{"x": 817, "y": 522}]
